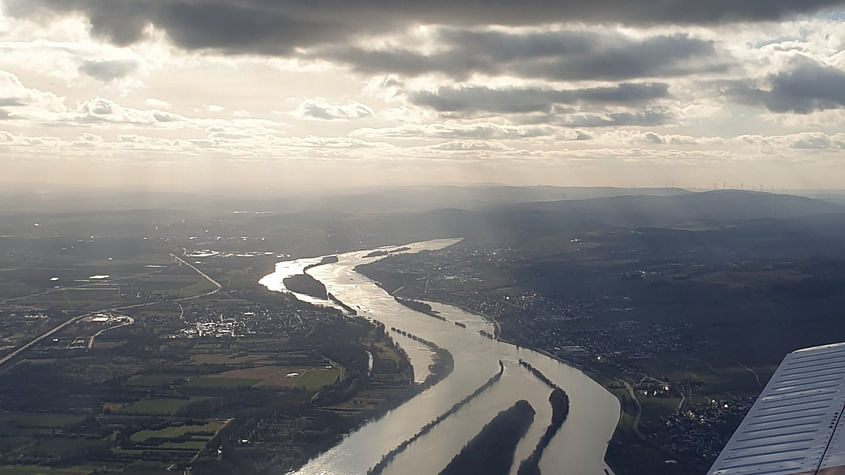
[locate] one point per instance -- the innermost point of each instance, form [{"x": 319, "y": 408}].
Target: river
[{"x": 578, "y": 448}]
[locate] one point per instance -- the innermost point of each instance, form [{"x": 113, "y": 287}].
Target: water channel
[{"x": 578, "y": 448}]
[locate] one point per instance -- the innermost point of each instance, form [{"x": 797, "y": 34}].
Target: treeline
[
  {"x": 560, "y": 410},
  {"x": 382, "y": 252},
  {"x": 442, "y": 364},
  {"x": 325, "y": 260},
  {"x": 305, "y": 284},
  {"x": 387, "y": 458},
  {"x": 536, "y": 372},
  {"x": 348, "y": 309},
  {"x": 416, "y": 338},
  {"x": 491, "y": 452},
  {"x": 421, "y": 307}
]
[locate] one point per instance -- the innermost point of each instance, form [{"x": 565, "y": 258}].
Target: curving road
[{"x": 11, "y": 356}]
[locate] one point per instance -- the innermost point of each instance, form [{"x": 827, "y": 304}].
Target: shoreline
[{"x": 600, "y": 463}]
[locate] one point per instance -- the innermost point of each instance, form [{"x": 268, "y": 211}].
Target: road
[
  {"x": 91, "y": 340},
  {"x": 756, "y": 376},
  {"x": 203, "y": 274},
  {"x": 54, "y": 330},
  {"x": 47, "y": 334},
  {"x": 11, "y": 356},
  {"x": 636, "y": 425}
]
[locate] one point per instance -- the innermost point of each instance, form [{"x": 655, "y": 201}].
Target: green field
[
  {"x": 175, "y": 432},
  {"x": 197, "y": 288},
  {"x": 162, "y": 406},
  {"x": 154, "y": 379},
  {"x": 37, "y": 470},
  {"x": 38, "y": 420},
  {"x": 207, "y": 382},
  {"x": 148, "y": 396},
  {"x": 315, "y": 379},
  {"x": 186, "y": 445}
]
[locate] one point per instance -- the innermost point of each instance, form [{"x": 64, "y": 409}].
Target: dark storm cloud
[
  {"x": 523, "y": 100},
  {"x": 276, "y": 27},
  {"x": 804, "y": 88},
  {"x": 587, "y": 54},
  {"x": 107, "y": 71},
  {"x": 555, "y": 55},
  {"x": 241, "y": 27}
]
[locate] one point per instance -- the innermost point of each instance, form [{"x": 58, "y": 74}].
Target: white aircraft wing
[{"x": 796, "y": 425}]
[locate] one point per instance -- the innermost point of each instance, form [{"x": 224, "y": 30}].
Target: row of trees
[
  {"x": 387, "y": 458},
  {"x": 560, "y": 410}
]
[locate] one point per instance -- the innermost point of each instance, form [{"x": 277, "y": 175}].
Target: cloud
[
  {"x": 455, "y": 131},
  {"x": 10, "y": 102},
  {"x": 318, "y": 109},
  {"x": 105, "y": 111},
  {"x": 157, "y": 103},
  {"x": 818, "y": 141},
  {"x": 14, "y": 94},
  {"x": 652, "y": 138},
  {"x": 278, "y": 27},
  {"x": 467, "y": 146},
  {"x": 805, "y": 87},
  {"x": 110, "y": 70},
  {"x": 551, "y": 55},
  {"x": 97, "y": 107},
  {"x": 649, "y": 118},
  {"x": 522, "y": 100},
  {"x": 252, "y": 26}
]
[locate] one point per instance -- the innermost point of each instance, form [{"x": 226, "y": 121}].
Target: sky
[{"x": 295, "y": 95}]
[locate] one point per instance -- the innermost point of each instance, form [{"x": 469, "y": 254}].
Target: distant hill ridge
[
  {"x": 506, "y": 223},
  {"x": 710, "y": 206}
]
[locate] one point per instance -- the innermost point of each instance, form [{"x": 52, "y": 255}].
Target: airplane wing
[{"x": 795, "y": 427}]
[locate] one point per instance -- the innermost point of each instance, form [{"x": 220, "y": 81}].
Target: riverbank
[
  {"x": 408, "y": 276},
  {"x": 385, "y": 461},
  {"x": 559, "y": 402},
  {"x": 580, "y": 444}
]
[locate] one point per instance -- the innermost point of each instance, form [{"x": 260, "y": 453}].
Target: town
[{"x": 646, "y": 330}]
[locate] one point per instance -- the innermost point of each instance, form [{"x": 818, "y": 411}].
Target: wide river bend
[{"x": 578, "y": 448}]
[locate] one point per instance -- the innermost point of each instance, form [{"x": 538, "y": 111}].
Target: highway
[
  {"x": 11, "y": 356},
  {"x": 203, "y": 274},
  {"x": 94, "y": 336},
  {"x": 47, "y": 334},
  {"x": 57, "y": 328}
]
